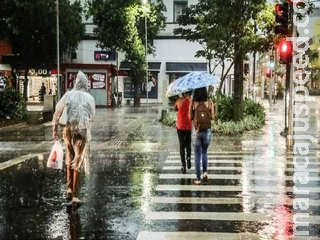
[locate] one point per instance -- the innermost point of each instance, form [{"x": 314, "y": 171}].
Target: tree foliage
[
  {"x": 121, "y": 27},
  {"x": 30, "y": 26},
  {"x": 229, "y": 30}
]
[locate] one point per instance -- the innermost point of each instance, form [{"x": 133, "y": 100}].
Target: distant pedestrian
[
  {"x": 184, "y": 127},
  {"x": 42, "y": 92},
  {"x": 50, "y": 91},
  {"x": 75, "y": 111},
  {"x": 202, "y": 112}
]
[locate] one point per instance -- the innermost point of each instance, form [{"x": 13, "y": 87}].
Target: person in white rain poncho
[{"x": 75, "y": 111}]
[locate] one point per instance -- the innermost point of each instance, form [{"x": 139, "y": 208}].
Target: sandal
[
  {"x": 69, "y": 194},
  {"x": 205, "y": 176},
  {"x": 197, "y": 182}
]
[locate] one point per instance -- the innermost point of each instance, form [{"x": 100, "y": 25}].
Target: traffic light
[
  {"x": 285, "y": 51},
  {"x": 271, "y": 62},
  {"x": 282, "y": 18},
  {"x": 268, "y": 72}
]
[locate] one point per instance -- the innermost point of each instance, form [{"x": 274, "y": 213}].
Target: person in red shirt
[{"x": 184, "y": 127}]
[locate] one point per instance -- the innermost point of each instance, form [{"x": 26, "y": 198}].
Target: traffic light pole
[
  {"x": 275, "y": 74},
  {"x": 291, "y": 99},
  {"x": 287, "y": 86}
]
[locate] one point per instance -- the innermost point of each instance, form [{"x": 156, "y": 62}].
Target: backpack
[{"x": 202, "y": 117}]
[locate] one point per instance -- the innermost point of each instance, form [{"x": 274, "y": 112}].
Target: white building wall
[
  {"x": 168, "y": 49},
  {"x": 172, "y": 50}
]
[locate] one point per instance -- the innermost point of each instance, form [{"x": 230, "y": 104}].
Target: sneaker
[{"x": 183, "y": 170}]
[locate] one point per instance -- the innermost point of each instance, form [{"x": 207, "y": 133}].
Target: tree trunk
[
  {"x": 238, "y": 87},
  {"x": 136, "y": 99}
]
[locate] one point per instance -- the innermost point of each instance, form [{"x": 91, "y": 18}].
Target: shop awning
[
  {"x": 152, "y": 66},
  {"x": 5, "y": 67},
  {"x": 178, "y": 67}
]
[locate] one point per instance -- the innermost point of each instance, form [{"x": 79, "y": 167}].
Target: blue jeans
[{"x": 201, "y": 145}]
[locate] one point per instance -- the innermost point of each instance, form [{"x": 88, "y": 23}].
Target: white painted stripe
[
  {"x": 254, "y": 168},
  {"x": 147, "y": 235},
  {"x": 216, "y": 156},
  {"x": 254, "y": 161},
  {"x": 243, "y": 154},
  {"x": 231, "y": 176},
  {"x": 222, "y": 153},
  {"x": 222, "y": 216},
  {"x": 192, "y": 176},
  {"x": 17, "y": 160},
  {"x": 194, "y": 200},
  {"x": 209, "y": 168},
  {"x": 210, "y": 161},
  {"x": 227, "y": 188}
]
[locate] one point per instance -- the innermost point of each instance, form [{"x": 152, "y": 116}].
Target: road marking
[
  {"x": 232, "y": 188},
  {"x": 223, "y": 216},
  {"x": 231, "y": 176},
  {"x": 220, "y": 216},
  {"x": 237, "y": 200},
  {"x": 148, "y": 235},
  {"x": 17, "y": 160},
  {"x": 254, "y": 198},
  {"x": 252, "y": 168},
  {"x": 254, "y": 162}
]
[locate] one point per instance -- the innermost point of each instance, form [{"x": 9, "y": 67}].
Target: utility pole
[
  {"x": 291, "y": 86},
  {"x": 58, "y": 53}
]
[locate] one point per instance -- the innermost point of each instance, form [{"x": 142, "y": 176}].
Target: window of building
[{"x": 178, "y": 8}]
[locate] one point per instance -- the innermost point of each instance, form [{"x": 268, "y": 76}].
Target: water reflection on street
[{"x": 136, "y": 189}]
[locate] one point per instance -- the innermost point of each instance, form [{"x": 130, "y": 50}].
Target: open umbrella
[{"x": 190, "y": 82}]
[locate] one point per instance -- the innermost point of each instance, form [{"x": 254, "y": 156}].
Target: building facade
[{"x": 173, "y": 58}]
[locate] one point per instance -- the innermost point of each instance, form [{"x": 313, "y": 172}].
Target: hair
[
  {"x": 187, "y": 94},
  {"x": 200, "y": 94}
]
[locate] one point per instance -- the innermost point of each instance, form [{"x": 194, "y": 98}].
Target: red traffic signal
[
  {"x": 268, "y": 72},
  {"x": 285, "y": 51}
]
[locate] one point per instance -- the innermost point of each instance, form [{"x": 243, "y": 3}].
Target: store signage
[
  {"x": 96, "y": 80},
  {"x": 104, "y": 55},
  {"x": 40, "y": 72},
  {"x": 109, "y": 92}
]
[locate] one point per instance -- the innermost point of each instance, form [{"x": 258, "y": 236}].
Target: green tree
[
  {"x": 121, "y": 27},
  {"x": 30, "y": 26},
  {"x": 228, "y": 30}
]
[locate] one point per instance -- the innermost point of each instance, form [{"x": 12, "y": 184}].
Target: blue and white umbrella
[{"x": 190, "y": 82}]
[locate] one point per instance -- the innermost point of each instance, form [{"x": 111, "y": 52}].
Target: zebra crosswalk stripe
[{"x": 178, "y": 203}]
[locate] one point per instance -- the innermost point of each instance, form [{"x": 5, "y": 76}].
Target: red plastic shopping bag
[{"x": 55, "y": 159}]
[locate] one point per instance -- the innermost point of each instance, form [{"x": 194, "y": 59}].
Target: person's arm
[
  {"x": 177, "y": 104},
  {"x": 56, "y": 116},
  {"x": 191, "y": 110},
  {"x": 212, "y": 110}
]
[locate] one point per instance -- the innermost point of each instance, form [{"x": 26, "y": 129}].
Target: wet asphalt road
[{"x": 135, "y": 189}]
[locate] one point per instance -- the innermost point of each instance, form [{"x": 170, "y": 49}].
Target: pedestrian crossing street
[{"x": 247, "y": 196}]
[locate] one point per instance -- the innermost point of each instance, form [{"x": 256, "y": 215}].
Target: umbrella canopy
[{"x": 190, "y": 82}]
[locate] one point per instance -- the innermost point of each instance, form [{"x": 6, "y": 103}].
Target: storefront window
[{"x": 151, "y": 87}]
